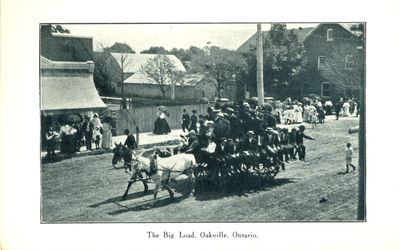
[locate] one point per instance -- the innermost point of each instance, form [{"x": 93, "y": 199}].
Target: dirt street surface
[{"x": 88, "y": 189}]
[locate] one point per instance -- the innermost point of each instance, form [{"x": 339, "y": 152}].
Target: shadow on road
[
  {"x": 118, "y": 199},
  {"x": 146, "y": 205},
  {"x": 244, "y": 188}
]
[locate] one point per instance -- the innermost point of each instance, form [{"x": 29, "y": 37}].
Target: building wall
[
  {"x": 316, "y": 45},
  {"x": 181, "y": 92},
  {"x": 65, "y": 48}
]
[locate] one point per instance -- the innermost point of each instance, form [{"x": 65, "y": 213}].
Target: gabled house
[
  {"x": 126, "y": 68},
  {"x": 333, "y": 62}
]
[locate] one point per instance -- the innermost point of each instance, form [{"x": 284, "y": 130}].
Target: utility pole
[
  {"x": 260, "y": 67},
  {"x": 172, "y": 87}
]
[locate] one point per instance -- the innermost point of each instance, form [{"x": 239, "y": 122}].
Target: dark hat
[{"x": 302, "y": 127}]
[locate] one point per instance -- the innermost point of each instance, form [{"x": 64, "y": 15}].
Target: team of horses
[
  {"x": 157, "y": 169},
  {"x": 163, "y": 166}
]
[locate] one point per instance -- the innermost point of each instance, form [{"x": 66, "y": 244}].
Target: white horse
[{"x": 161, "y": 171}]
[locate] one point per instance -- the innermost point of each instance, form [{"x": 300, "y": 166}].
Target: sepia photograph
[{"x": 202, "y": 122}]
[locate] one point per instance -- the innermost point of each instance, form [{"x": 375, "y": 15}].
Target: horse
[
  {"x": 122, "y": 152},
  {"x": 159, "y": 170}
]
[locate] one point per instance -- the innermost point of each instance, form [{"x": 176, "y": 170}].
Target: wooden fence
[{"x": 144, "y": 117}]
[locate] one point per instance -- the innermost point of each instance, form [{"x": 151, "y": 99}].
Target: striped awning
[{"x": 63, "y": 93}]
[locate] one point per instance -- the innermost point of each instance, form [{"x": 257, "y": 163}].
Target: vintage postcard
[
  {"x": 209, "y": 125},
  {"x": 240, "y": 122}
]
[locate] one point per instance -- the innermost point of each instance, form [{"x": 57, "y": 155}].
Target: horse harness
[{"x": 154, "y": 167}]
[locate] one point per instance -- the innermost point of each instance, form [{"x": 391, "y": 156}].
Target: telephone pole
[{"x": 260, "y": 67}]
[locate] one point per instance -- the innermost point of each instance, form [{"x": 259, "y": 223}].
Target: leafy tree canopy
[
  {"x": 119, "y": 48},
  {"x": 358, "y": 30},
  {"x": 284, "y": 55},
  {"x": 155, "y": 50},
  {"x": 221, "y": 64},
  {"x": 59, "y": 29}
]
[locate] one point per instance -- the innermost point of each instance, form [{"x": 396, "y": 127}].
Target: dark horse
[{"x": 126, "y": 154}]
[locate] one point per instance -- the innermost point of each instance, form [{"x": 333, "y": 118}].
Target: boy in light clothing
[{"x": 349, "y": 157}]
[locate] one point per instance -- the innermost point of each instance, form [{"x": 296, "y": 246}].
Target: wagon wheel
[{"x": 268, "y": 172}]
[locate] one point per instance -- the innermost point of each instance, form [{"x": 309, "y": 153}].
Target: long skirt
[
  {"x": 106, "y": 141},
  {"x": 161, "y": 127}
]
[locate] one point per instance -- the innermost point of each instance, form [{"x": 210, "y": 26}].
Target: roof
[
  {"x": 135, "y": 61},
  {"x": 62, "y": 65},
  {"x": 69, "y": 92},
  {"x": 315, "y": 28},
  {"x": 188, "y": 80},
  {"x": 300, "y": 32}
]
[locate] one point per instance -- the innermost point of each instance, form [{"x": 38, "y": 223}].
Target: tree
[
  {"x": 162, "y": 71},
  {"x": 120, "y": 48},
  {"x": 155, "y": 50},
  {"x": 284, "y": 59},
  {"x": 358, "y": 30},
  {"x": 284, "y": 56},
  {"x": 186, "y": 54},
  {"x": 220, "y": 64},
  {"x": 59, "y": 29}
]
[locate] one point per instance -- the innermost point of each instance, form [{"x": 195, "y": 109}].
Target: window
[
  {"x": 325, "y": 89},
  {"x": 348, "y": 62},
  {"x": 329, "y": 35},
  {"x": 321, "y": 62}
]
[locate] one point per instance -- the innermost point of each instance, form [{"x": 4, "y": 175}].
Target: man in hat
[
  {"x": 300, "y": 142},
  {"x": 185, "y": 121},
  {"x": 284, "y": 145},
  {"x": 130, "y": 141},
  {"x": 193, "y": 121},
  {"x": 87, "y": 128},
  {"x": 250, "y": 143},
  {"x": 222, "y": 127},
  {"x": 271, "y": 141},
  {"x": 293, "y": 144}
]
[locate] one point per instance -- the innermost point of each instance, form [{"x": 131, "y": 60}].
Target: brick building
[{"x": 333, "y": 63}]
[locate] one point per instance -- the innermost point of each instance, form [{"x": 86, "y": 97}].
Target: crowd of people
[
  {"x": 233, "y": 128},
  {"x": 227, "y": 128},
  {"x": 314, "y": 110},
  {"x": 72, "y": 134}
]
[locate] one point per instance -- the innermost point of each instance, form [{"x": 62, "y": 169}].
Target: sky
[{"x": 143, "y": 36}]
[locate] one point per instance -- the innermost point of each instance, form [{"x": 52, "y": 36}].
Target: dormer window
[{"x": 329, "y": 35}]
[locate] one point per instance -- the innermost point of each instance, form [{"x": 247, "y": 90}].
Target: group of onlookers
[
  {"x": 313, "y": 110},
  {"x": 72, "y": 134}
]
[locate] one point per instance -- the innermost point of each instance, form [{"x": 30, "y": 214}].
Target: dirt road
[{"x": 88, "y": 189}]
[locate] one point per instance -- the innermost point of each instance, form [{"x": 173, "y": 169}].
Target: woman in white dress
[
  {"x": 96, "y": 120},
  {"x": 346, "y": 109},
  {"x": 306, "y": 113},
  {"x": 106, "y": 141},
  {"x": 298, "y": 113}
]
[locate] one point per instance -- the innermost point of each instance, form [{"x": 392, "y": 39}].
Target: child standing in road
[
  {"x": 314, "y": 118},
  {"x": 97, "y": 136},
  {"x": 349, "y": 157}
]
